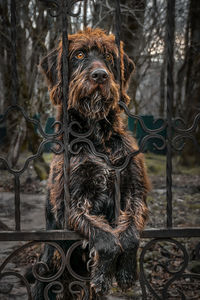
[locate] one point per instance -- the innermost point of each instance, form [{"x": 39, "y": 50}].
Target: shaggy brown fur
[{"x": 94, "y": 93}]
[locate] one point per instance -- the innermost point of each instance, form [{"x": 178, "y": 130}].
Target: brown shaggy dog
[{"x": 94, "y": 94}]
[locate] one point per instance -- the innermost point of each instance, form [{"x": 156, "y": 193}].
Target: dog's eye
[
  {"x": 108, "y": 57},
  {"x": 80, "y": 55}
]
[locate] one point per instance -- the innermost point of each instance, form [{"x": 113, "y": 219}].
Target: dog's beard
[
  {"x": 95, "y": 106},
  {"x": 93, "y": 101}
]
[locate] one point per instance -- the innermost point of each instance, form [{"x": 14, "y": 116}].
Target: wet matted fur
[{"x": 94, "y": 93}]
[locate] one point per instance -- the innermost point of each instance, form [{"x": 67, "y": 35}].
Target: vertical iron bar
[
  {"x": 64, "y": 74},
  {"x": 117, "y": 195},
  {"x": 85, "y": 5},
  {"x": 117, "y": 41},
  {"x": 118, "y": 37},
  {"x": 142, "y": 282},
  {"x": 17, "y": 203},
  {"x": 15, "y": 85},
  {"x": 170, "y": 26},
  {"x": 14, "y": 101}
]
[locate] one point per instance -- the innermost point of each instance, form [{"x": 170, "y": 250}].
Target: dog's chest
[{"x": 93, "y": 181}]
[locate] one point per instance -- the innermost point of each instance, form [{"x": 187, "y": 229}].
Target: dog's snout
[{"x": 99, "y": 75}]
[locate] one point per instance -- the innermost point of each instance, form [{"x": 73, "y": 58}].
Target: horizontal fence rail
[{"x": 72, "y": 235}]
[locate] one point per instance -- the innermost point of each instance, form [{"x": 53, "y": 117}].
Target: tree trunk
[
  {"x": 162, "y": 89},
  {"x": 34, "y": 140},
  {"x": 102, "y": 14},
  {"x": 132, "y": 35},
  {"x": 191, "y": 155},
  {"x": 31, "y": 33}
]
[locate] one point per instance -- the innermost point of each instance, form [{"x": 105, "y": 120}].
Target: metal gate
[{"x": 155, "y": 237}]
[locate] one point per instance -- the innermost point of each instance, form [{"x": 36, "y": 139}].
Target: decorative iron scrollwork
[
  {"x": 22, "y": 279},
  {"x": 146, "y": 129},
  {"x": 59, "y": 289},
  {"x": 179, "y": 126},
  {"x": 51, "y": 280},
  {"x": 169, "y": 269},
  {"x": 48, "y": 138},
  {"x": 77, "y": 287},
  {"x": 68, "y": 264}
]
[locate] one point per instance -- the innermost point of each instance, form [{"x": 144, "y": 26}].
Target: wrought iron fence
[{"x": 157, "y": 237}]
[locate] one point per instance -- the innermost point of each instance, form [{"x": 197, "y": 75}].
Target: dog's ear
[
  {"x": 50, "y": 68},
  {"x": 128, "y": 68}
]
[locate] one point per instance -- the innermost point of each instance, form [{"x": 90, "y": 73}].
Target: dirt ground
[{"x": 186, "y": 213}]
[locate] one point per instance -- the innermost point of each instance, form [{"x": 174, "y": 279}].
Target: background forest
[{"x": 144, "y": 35}]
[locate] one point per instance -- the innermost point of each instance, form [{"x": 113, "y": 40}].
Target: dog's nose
[{"x": 99, "y": 75}]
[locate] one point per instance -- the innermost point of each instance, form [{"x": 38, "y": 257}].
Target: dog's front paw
[
  {"x": 126, "y": 278},
  {"x": 107, "y": 247},
  {"x": 129, "y": 240},
  {"x": 101, "y": 283},
  {"x": 126, "y": 271}
]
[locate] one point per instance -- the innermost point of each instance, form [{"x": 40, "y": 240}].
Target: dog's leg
[
  {"x": 126, "y": 266},
  {"x": 131, "y": 222},
  {"x": 104, "y": 246},
  {"x": 89, "y": 197}
]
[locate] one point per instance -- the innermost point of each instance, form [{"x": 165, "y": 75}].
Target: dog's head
[{"x": 94, "y": 88}]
